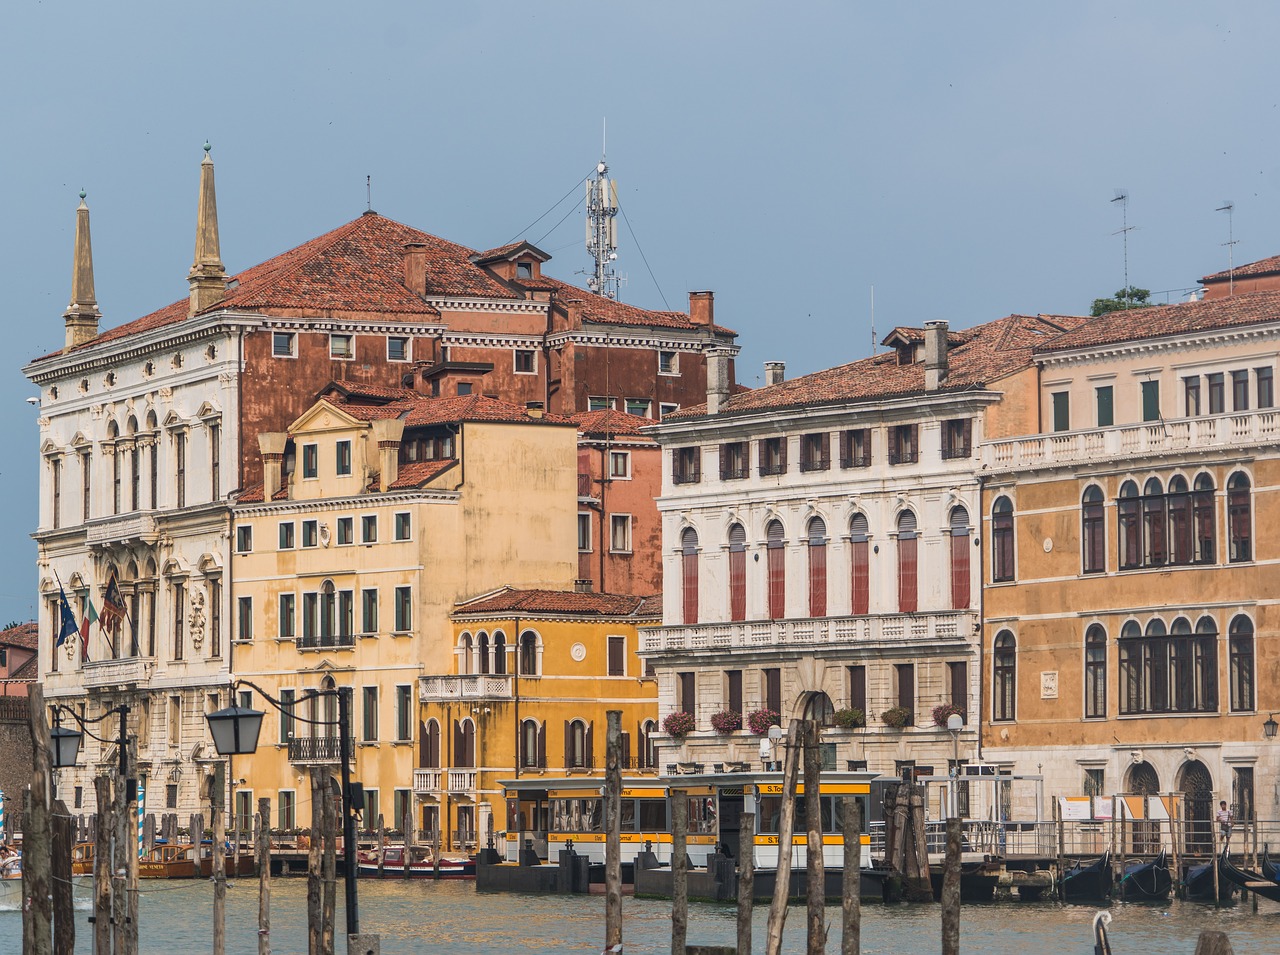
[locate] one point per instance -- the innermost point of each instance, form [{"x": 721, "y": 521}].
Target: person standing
[{"x": 1224, "y": 817}]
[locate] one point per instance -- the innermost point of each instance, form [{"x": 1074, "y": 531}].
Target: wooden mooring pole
[
  {"x": 851, "y": 901},
  {"x": 314, "y": 851},
  {"x": 1062, "y": 840},
  {"x": 37, "y": 837},
  {"x": 786, "y": 828},
  {"x": 64, "y": 916},
  {"x": 613, "y": 831},
  {"x": 679, "y": 870},
  {"x": 263, "y": 852},
  {"x": 814, "y": 863},
  {"x": 102, "y": 867},
  {"x": 746, "y": 878},
  {"x": 218, "y": 861},
  {"x": 329, "y": 867},
  {"x": 951, "y": 890}
]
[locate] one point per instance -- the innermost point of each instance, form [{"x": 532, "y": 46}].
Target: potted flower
[
  {"x": 726, "y": 722},
  {"x": 897, "y": 717},
  {"x": 849, "y": 718},
  {"x": 944, "y": 710},
  {"x": 759, "y": 721},
  {"x": 678, "y": 724}
]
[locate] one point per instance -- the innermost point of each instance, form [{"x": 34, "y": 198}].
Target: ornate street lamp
[
  {"x": 65, "y": 743},
  {"x": 65, "y": 746},
  {"x": 235, "y": 730},
  {"x": 1270, "y": 726}
]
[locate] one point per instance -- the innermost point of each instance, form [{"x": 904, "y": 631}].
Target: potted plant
[
  {"x": 726, "y": 722},
  {"x": 897, "y": 717},
  {"x": 944, "y": 710},
  {"x": 759, "y": 721},
  {"x": 678, "y": 724},
  {"x": 849, "y": 718}
]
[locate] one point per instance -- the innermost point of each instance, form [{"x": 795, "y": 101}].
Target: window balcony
[
  {"x": 427, "y": 781},
  {"x": 586, "y": 490},
  {"x": 135, "y": 527},
  {"x": 332, "y": 641},
  {"x": 885, "y": 631},
  {"x": 124, "y": 672},
  {"x": 456, "y": 782},
  {"x": 480, "y": 686},
  {"x": 317, "y": 749}
]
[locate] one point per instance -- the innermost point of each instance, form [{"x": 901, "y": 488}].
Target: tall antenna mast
[
  {"x": 602, "y": 229},
  {"x": 1122, "y": 197},
  {"x": 1229, "y": 208},
  {"x": 873, "y": 321}
]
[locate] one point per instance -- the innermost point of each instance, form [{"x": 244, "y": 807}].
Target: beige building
[{"x": 374, "y": 519}]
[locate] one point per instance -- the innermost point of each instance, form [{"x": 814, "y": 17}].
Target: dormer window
[
  {"x": 524, "y": 270},
  {"x": 906, "y": 354}
]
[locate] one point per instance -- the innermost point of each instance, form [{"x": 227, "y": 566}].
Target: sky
[{"x": 960, "y": 159}]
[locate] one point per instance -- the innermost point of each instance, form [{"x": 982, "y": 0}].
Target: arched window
[
  {"x": 1095, "y": 672},
  {"x": 1002, "y": 540},
  {"x": 577, "y": 745},
  {"x": 1093, "y": 535},
  {"x": 465, "y": 661},
  {"x": 1202, "y": 517},
  {"x": 1240, "y": 517},
  {"x": 533, "y": 743},
  {"x": 1132, "y": 688},
  {"x": 737, "y": 572},
  {"x": 482, "y": 652},
  {"x": 820, "y": 708},
  {"x": 1004, "y": 672},
  {"x": 817, "y": 536},
  {"x": 959, "y": 558},
  {"x": 776, "y": 549},
  {"x": 648, "y": 745},
  {"x": 429, "y": 749},
  {"x": 464, "y": 744},
  {"x": 1240, "y": 640},
  {"x": 330, "y": 707},
  {"x": 1128, "y": 513},
  {"x": 134, "y": 478},
  {"x": 860, "y": 559},
  {"x": 1204, "y": 660},
  {"x": 908, "y": 588},
  {"x": 1169, "y": 670},
  {"x": 689, "y": 574},
  {"x": 529, "y": 653},
  {"x": 328, "y": 612},
  {"x": 113, "y": 433},
  {"x": 1179, "y": 507},
  {"x": 1154, "y": 524},
  {"x": 499, "y": 652}
]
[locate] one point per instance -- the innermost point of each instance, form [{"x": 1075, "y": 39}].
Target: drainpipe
[
  {"x": 515, "y": 683},
  {"x": 982, "y": 610}
]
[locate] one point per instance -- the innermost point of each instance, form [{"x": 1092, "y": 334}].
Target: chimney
[
  {"x": 271, "y": 443},
  {"x": 415, "y": 267},
  {"x": 207, "y": 278},
  {"x": 388, "y": 432},
  {"x": 533, "y": 409},
  {"x": 935, "y": 355},
  {"x": 717, "y": 378},
  {"x": 775, "y": 372},
  {"x": 582, "y": 585},
  {"x": 702, "y": 308},
  {"x": 81, "y": 316}
]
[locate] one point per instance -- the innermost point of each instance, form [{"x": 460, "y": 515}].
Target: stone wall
[{"x": 15, "y": 753}]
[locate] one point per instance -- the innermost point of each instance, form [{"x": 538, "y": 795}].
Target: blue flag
[{"x": 68, "y": 626}]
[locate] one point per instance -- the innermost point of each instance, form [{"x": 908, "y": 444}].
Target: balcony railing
[
  {"x": 331, "y": 641},
  {"x": 858, "y": 459},
  {"x": 427, "y": 780},
  {"x": 586, "y": 492},
  {"x": 815, "y": 464},
  {"x": 317, "y": 749},
  {"x": 951, "y": 452},
  {"x": 135, "y": 526},
  {"x": 686, "y": 475},
  {"x": 455, "y": 781},
  {"x": 461, "y": 781},
  {"x": 115, "y": 672},
  {"x": 903, "y": 455},
  {"x": 14, "y": 709},
  {"x": 480, "y": 686},
  {"x": 1154, "y": 437},
  {"x": 884, "y": 630}
]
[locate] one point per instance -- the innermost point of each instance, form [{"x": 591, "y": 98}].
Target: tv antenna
[
  {"x": 873, "y": 321},
  {"x": 1229, "y": 208},
  {"x": 1122, "y": 197},
  {"x": 602, "y": 228}
]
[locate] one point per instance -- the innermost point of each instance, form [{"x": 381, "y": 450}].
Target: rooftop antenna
[
  {"x": 1122, "y": 197},
  {"x": 873, "y": 321},
  {"x": 602, "y": 227},
  {"x": 1229, "y": 208},
  {"x": 368, "y": 193}
]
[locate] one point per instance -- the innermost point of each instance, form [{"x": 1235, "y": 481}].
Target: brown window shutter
[
  {"x": 542, "y": 746},
  {"x": 568, "y": 744},
  {"x": 457, "y": 743},
  {"x": 626, "y": 750},
  {"x": 589, "y": 747}
]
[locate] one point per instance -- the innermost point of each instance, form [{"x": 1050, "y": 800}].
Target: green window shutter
[
  {"x": 1106, "y": 416},
  {"x": 1061, "y": 411},
  {"x": 1151, "y": 401}
]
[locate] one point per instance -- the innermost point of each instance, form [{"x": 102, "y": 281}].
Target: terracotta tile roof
[
  {"x": 25, "y": 635},
  {"x": 607, "y": 311},
  {"x": 988, "y": 352},
  {"x": 1137, "y": 324},
  {"x": 916, "y": 335},
  {"x": 365, "y": 391},
  {"x": 254, "y": 492},
  {"x": 561, "y": 602},
  {"x": 28, "y": 671},
  {"x": 510, "y": 250},
  {"x": 1269, "y": 266},
  {"x": 417, "y": 473},
  {"x": 421, "y": 411},
  {"x": 611, "y": 421}
]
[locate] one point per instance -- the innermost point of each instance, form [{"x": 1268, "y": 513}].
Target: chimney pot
[
  {"x": 935, "y": 355},
  {"x": 415, "y": 267},
  {"x": 717, "y": 378},
  {"x": 775, "y": 372}
]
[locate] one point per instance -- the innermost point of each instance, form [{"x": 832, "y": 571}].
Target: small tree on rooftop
[{"x": 1131, "y": 297}]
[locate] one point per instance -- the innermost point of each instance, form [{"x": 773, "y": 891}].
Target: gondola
[
  {"x": 1147, "y": 881},
  {"x": 1088, "y": 883},
  {"x": 1200, "y": 883},
  {"x": 1250, "y": 880},
  {"x": 1269, "y": 869}
]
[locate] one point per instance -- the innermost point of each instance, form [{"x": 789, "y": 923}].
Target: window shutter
[
  {"x": 568, "y": 744},
  {"x": 861, "y": 578},
  {"x": 737, "y": 585},
  {"x": 690, "y": 586},
  {"x": 907, "y": 575},
  {"x": 626, "y": 749},
  {"x": 817, "y": 579},
  {"x": 959, "y": 572},
  {"x": 457, "y": 743},
  {"x": 588, "y": 748}
]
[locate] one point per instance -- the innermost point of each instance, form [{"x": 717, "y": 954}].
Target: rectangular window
[
  {"x": 403, "y": 526},
  {"x": 1239, "y": 391},
  {"x": 667, "y": 407},
  {"x": 526, "y": 361},
  {"x": 958, "y": 684},
  {"x": 620, "y": 465},
  {"x": 524, "y": 270},
  {"x": 599, "y": 403},
  {"x": 617, "y": 656},
  {"x": 772, "y": 453},
  {"x": 640, "y": 407},
  {"x": 244, "y": 539},
  {"x": 369, "y": 814},
  {"x": 464, "y": 388},
  {"x": 179, "y": 615},
  {"x": 369, "y": 529},
  {"x": 1095, "y": 781},
  {"x": 397, "y": 348},
  {"x": 344, "y": 458},
  {"x": 341, "y": 346},
  {"x": 620, "y": 533},
  {"x": 286, "y": 535},
  {"x": 668, "y": 363},
  {"x": 175, "y": 720},
  {"x": 1151, "y": 401},
  {"x": 772, "y": 679},
  {"x": 686, "y": 465},
  {"x": 370, "y": 713},
  {"x": 310, "y": 460},
  {"x": 287, "y": 801},
  {"x": 180, "y": 458},
  {"x": 858, "y": 688},
  {"x": 404, "y": 712},
  {"x": 1104, "y": 395},
  {"x": 904, "y": 446},
  {"x": 1191, "y": 392},
  {"x": 310, "y": 533},
  {"x": 1217, "y": 394},
  {"x": 404, "y": 609},
  {"x": 734, "y": 463},
  {"x": 55, "y": 480},
  {"x": 855, "y": 448},
  {"x": 86, "y": 483},
  {"x": 369, "y": 610},
  {"x": 346, "y": 530},
  {"x": 584, "y": 532},
  {"x": 244, "y": 618},
  {"x": 288, "y": 610},
  {"x": 282, "y": 344},
  {"x": 905, "y": 678},
  {"x": 733, "y": 690},
  {"x": 1061, "y": 410},
  {"x": 286, "y": 715},
  {"x": 957, "y": 438},
  {"x": 215, "y": 465},
  {"x": 1266, "y": 387},
  {"x": 686, "y": 693},
  {"x": 815, "y": 452}
]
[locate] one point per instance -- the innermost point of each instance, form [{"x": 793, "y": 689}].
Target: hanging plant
[
  {"x": 944, "y": 710},
  {"x": 896, "y": 716},
  {"x": 726, "y": 722},
  {"x": 759, "y": 721},
  {"x": 849, "y": 718},
  {"x": 678, "y": 724}
]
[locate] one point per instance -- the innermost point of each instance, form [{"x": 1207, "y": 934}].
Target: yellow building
[
  {"x": 373, "y": 521},
  {"x": 510, "y": 707}
]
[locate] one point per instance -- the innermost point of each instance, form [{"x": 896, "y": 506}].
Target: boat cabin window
[
  {"x": 702, "y": 814},
  {"x": 770, "y": 813}
]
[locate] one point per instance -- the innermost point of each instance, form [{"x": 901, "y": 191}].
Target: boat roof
[{"x": 595, "y": 784}]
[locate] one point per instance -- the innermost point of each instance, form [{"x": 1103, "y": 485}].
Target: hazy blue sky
[{"x": 958, "y": 157}]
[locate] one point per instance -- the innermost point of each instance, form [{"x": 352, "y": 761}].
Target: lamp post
[
  {"x": 1270, "y": 726},
  {"x": 955, "y": 723},
  {"x": 235, "y": 732},
  {"x": 66, "y": 742}
]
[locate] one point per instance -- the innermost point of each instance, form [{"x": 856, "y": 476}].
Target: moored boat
[
  {"x": 1088, "y": 883},
  {"x": 1249, "y": 880},
  {"x": 168, "y": 862},
  {"x": 1269, "y": 869},
  {"x": 421, "y": 864},
  {"x": 1200, "y": 883},
  {"x": 1147, "y": 880}
]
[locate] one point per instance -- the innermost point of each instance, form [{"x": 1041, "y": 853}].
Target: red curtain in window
[
  {"x": 777, "y": 583},
  {"x": 959, "y": 572},
  {"x": 690, "y": 583},
  {"x": 818, "y": 580},
  {"x": 861, "y": 578},
  {"x": 737, "y": 585},
  {"x": 906, "y": 575}
]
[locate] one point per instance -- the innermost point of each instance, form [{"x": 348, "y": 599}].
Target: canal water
[{"x": 450, "y": 918}]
